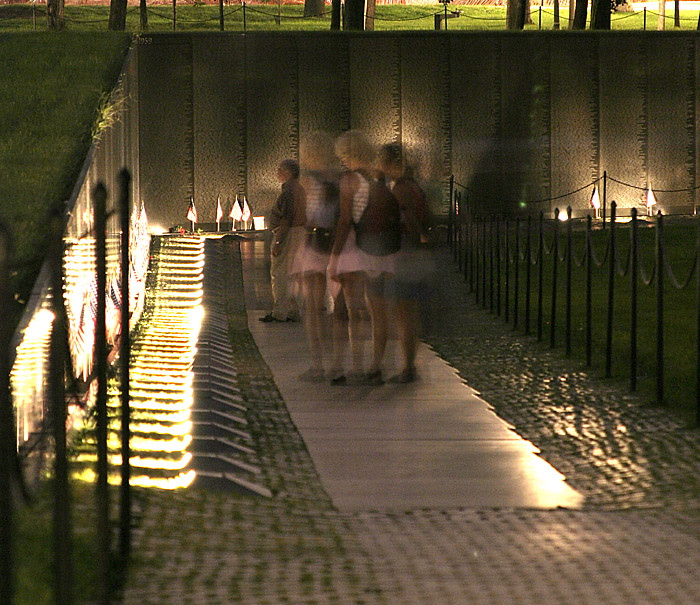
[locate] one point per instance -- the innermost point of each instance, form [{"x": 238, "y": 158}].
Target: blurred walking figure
[
  {"x": 320, "y": 172},
  {"x": 414, "y": 267},
  {"x": 367, "y": 237},
  {"x": 287, "y": 220}
]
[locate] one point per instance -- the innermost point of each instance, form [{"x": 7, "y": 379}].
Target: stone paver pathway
[{"x": 636, "y": 541}]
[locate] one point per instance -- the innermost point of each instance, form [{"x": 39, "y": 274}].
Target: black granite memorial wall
[{"x": 526, "y": 121}]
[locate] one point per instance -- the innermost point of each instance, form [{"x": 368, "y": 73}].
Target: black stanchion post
[
  {"x": 498, "y": 266},
  {"x": 244, "y": 20},
  {"x": 516, "y": 274},
  {"x": 450, "y": 214},
  {"x": 611, "y": 293},
  {"x": 221, "y": 15},
  {"x": 528, "y": 272},
  {"x": 697, "y": 277},
  {"x": 540, "y": 275},
  {"x": 477, "y": 259},
  {"x": 459, "y": 251},
  {"x": 7, "y": 434},
  {"x": 124, "y": 359},
  {"x": 174, "y": 15},
  {"x": 605, "y": 194},
  {"x": 491, "y": 250},
  {"x": 484, "y": 261},
  {"x": 506, "y": 258},
  {"x": 465, "y": 257},
  {"x": 452, "y": 226},
  {"x": 569, "y": 267},
  {"x": 634, "y": 250},
  {"x": 63, "y": 571},
  {"x": 589, "y": 296},
  {"x": 99, "y": 198},
  {"x": 470, "y": 250},
  {"x": 555, "y": 272},
  {"x": 659, "y": 309}
]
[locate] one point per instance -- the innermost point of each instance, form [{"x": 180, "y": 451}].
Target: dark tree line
[{"x": 359, "y": 14}]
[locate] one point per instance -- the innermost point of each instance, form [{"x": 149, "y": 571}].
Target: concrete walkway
[{"x": 430, "y": 444}]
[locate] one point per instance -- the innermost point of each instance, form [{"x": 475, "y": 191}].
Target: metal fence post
[
  {"x": 450, "y": 212},
  {"x": 516, "y": 273},
  {"x": 498, "y": 266},
  {"x": 57, "y": 367},
  {"x": 491, "y": 245},
  {"x": 528, "y": 273},
  {"x": 506, "y": 294},
  {"x": 659, "y": 309},
  {"x": 7, "y": 438},
  {"x": 477, "y": 266},
  {"x": 457, "y": 226},
  {"x": 467, "y": 254},
  {"x": 555, "y": 268},
  {"x": 124, "y": 180},
  {"x": 540, "y": 274},
  {"x": 99, "y": 197},
  {"x": 697, "y": 389},
  {"x": 611, "y": 293},
  {"x": 569, "y": 267},
  {"x": 484, "y": 252},
  {"x": 605, "y": 194},
  {"x": 634, "y": 250},
  {"x": 471, "y": 262},
  {"x": 589, "y": 296}
]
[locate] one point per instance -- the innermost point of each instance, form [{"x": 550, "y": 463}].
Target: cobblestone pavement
[
  {"x": 615, "y": 448},
  {"x": 636, "y": 541}
]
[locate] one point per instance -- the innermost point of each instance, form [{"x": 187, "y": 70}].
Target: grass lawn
[
  {"x": 51, "y": 88},
  {"x": 34, "y": 547},
  {"x": 197, "y": 17}
]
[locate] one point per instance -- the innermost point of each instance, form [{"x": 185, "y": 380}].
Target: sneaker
[
  {"x": 269, "y": 318},
  {"x": 374, "y": 378},
  {"x": 404, "y": 376},
  {"x": 339, "y": 381},
  {"x": 349, "y": 379}
]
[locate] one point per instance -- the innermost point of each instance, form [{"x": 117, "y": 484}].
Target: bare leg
[
  {"x": 314, "y": 291},
  {"x": 407, "y": 323},
  {"x": 353, "y": 288},
  {"x": 380, "y": 329}
]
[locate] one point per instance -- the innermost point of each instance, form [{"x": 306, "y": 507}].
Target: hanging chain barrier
[{"x": 519, "y": 267}]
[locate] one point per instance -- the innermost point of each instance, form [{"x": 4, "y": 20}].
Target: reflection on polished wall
[{"x": 115, "y": 148}]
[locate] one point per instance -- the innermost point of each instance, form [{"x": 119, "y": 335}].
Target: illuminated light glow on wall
[
  {"x": 170, "y": 483},
  {"x": 161, "y": 374},
  {"x": 595, "y": 202},
  {"x": 650, "y": 201},
  {"x": 27, "y": 374}
]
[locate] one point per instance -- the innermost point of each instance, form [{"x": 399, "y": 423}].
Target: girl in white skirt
[{"x": 359, "y": 275}]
